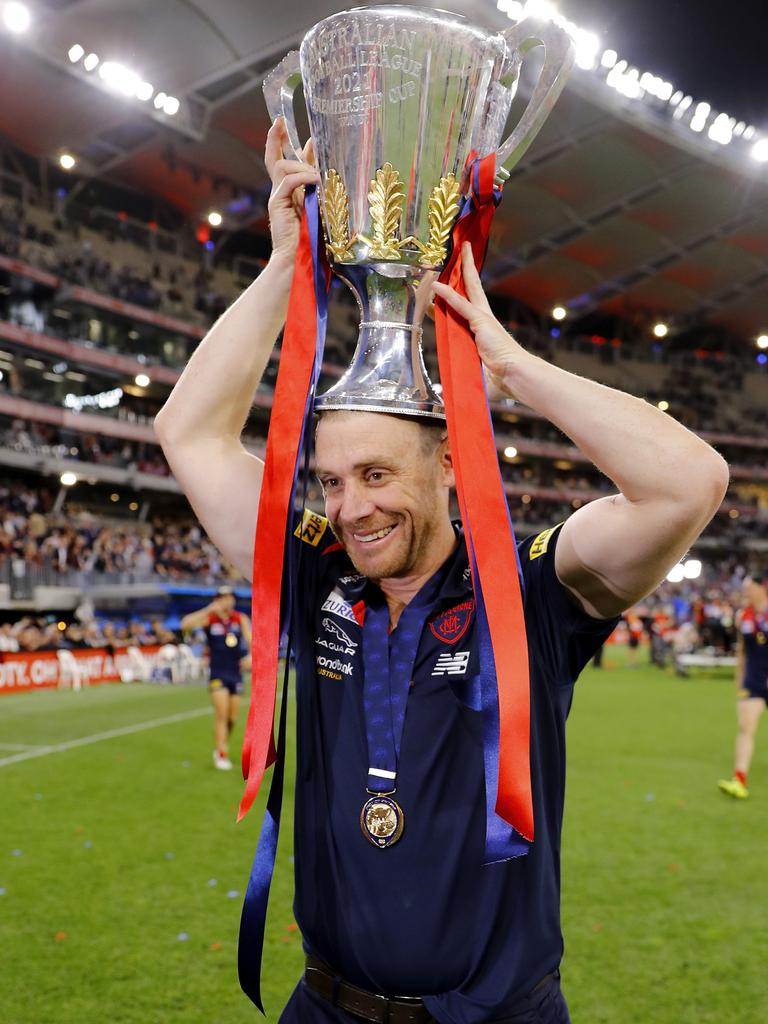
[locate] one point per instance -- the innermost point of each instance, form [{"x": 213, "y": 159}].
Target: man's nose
[{"x": 355, "y": 505}]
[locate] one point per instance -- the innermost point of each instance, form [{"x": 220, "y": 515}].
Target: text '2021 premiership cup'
[{"x": 398, "y": 98}]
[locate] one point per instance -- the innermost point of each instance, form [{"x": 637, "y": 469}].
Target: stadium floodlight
[
  {"x": 91, "y": 62},
  {"x": 171, "y": 106},
  {"x": 160, "y": 99},
  {"x": 721, "y": 129},
  {"x": 544, "y": 9},
  {"x": 114, "y": 497},
  {"x": 214, "y": 218},
  {"x": 609, "y": 58},
  {"x": 749, "y": 132},
  {"x": 512, "y": 8},
  {"x": 68, "y": 479},
  {"x": 119, "y": 77},
  {"x": 759, "y": 151},
  {"x": 510, "y": 451},
  {"x": 144, "y": 91},
  {"x": 692, "y": 569},
  {"x": 559, "y": 313},
  {"x": 16, "y": 17},
  {"x": 67, "y": 161},
  {"x": 663, "y": 405},
  {"x": 676, "y": 574},
  {"x": 661, "y": 330},
  {"x": 676, "y": 98},
  {"x": 762, "y": 341},
  {"x": 142, "y": 380},
  {"x": 75, "y": 53},
  {"x": 587, "y": 46}
]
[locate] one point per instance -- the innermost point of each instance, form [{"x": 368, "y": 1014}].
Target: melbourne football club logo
[{"x": 450, "y": 626}]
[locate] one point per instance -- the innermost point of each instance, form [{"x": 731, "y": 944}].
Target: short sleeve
[
  {"x": 561, "y": 636},
  {"x": 309, "y": 545}
]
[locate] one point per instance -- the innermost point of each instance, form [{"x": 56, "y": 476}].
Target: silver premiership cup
[{"x": 398, "y": 97}]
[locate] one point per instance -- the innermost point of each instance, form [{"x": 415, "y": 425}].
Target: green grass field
[{"x": 122, "y": 871}]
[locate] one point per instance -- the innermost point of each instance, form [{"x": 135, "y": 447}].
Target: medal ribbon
[
  {"x": 289, "y": 430},
  {"x": 388, "y": 661},
  {"x": 496, "y": 576}
]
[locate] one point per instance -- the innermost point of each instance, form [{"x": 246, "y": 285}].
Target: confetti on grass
[
  {"x": 60, "y": 936},
  {"x": 212, "y": 882},
  {"x": 169, "y": 856},
  {"x": 233, "y": 894},
  {"x": 182, "y": 936},
  {"x": 16, "y": 853}
]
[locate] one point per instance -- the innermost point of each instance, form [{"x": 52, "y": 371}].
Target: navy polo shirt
[
  {"x": 425, "y": 917},
  {"x": 225, "y": 656}
]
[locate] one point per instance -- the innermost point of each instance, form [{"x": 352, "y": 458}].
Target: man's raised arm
[
  {"x": 613, "y": 551},
  {"x": 199, "y": 427}
]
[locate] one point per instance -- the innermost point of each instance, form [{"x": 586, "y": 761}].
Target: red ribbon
[
  {"x": 297, "y": 356},
  {"x": 484, "y": 509}
]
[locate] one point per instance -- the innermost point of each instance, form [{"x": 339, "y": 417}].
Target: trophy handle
[
  {"x": 559, "y": 55},
  {"x": 279, "y": 86}
]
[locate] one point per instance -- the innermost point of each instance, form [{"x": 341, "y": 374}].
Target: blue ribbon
[
  {"x": 387, "y": 671},
  {"x": 254, "y": 913}
]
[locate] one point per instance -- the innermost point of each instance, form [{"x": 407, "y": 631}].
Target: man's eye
[
  {"x": 329, "y": 483},
  {"x": 376, "y": 476}
]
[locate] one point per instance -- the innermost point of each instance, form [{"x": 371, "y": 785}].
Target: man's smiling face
[{"x": 386, "y": 481}]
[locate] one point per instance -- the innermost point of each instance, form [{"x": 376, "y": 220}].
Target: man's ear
[{"x": 446, "y": 463}]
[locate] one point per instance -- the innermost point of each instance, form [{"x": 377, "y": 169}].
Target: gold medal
[
  {"x": 382, "y": 821},
  {"x": 230, "y": 640}
]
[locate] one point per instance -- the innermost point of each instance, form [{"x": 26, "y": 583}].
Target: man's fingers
[
  {"x": 454, "y": 300},
  {"x": 293, "y": 181},
  {"x": 472, "y": 281},
  {"x": 274, "y": 148}
]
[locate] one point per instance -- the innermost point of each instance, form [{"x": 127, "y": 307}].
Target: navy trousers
[{"x": 545, "y": 1006}]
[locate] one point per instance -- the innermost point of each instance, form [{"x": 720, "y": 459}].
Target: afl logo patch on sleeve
[
  {"x": 311, "y": 528},
  {"x": 541, "y": 543}
]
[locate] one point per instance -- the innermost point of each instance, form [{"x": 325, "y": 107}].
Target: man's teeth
[{"x": 365, "y": 538}]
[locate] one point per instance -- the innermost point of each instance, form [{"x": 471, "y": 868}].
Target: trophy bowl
[{"x": 399, "y": 98}]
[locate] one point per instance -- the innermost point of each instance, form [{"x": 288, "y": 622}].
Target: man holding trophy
[{"x": 435, "y": 662}]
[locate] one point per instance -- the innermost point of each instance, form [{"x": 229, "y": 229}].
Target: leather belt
[
  {"x": 366, "y": 1005},
  {"x": 370, "y": 1006}
]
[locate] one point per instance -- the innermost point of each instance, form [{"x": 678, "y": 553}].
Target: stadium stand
[{"x": 100, "y": 309}]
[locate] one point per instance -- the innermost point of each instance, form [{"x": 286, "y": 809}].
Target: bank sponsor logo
[
  {"x": 451, "y": 664},
  {"x": 336, "y": 604},
  {"x": 332, "y": 668}
]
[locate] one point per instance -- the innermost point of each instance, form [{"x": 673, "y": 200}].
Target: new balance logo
[{"x": 451, "y": 664}]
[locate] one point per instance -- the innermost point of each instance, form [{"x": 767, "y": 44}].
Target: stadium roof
[{"x": 614, "y": 208}]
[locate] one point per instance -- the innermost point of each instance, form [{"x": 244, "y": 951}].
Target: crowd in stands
[
  {"x": 38, "y": 438},
  {"x": 59, "y": 250},
  {"x": 85, "y": 544},
  {"x": 48, "y": 633}
]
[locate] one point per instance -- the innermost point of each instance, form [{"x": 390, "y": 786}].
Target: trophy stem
[{"x": 387, "y": 372}]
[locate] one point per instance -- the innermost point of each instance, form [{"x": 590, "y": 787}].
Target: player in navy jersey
[
  {"x": 751, "y": 680},
  {"x": 228, "y": 635},
  {"x": 420, "y": 928}
]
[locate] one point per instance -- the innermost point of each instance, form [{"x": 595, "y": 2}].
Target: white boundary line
[{"x": 97, "y": 737}]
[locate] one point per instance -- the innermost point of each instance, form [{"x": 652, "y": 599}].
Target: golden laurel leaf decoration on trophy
[
  {"x": 443, "y": 207},
  {"x": 385, "y": 204},
  {"x": 337, "y": 217}
]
